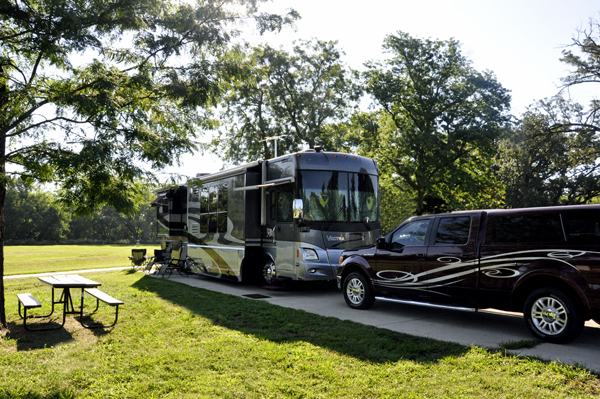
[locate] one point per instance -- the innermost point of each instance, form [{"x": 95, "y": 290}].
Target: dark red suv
[{"x": 544, "y": 262}]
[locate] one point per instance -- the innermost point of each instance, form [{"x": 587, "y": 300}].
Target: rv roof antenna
[{"x": 274, "y": 138}]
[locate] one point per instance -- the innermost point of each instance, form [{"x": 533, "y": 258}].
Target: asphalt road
[{"x": 487, "y": 328}]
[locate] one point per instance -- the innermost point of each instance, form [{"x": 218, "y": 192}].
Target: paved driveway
[{"x": 487, "y": 329}]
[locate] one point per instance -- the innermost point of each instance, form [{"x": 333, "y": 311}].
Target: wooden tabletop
[{"x": 69, "y": 281}]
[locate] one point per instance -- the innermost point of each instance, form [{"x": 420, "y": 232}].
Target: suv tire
[
  {"x": 552, "y": 315},
  {"x": 357, "y": 291}
]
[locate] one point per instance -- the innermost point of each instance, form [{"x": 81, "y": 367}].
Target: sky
[{"x": 520, "y": 41}]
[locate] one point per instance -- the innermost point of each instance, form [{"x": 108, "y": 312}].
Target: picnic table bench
[
  {"x": 66, "y": 282},
  {"x": 104, "y": 297}
]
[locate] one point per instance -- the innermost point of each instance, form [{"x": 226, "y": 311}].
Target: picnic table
[{"x": 66, "y": 283}]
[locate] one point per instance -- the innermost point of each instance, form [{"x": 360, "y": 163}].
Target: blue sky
[{"x": 520, "y": 41}]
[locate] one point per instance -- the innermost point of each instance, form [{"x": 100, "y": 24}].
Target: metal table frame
[{"x": 66, "y": 282}]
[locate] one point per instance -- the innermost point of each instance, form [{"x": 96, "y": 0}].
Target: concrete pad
[{"x": 487, "y": 328}]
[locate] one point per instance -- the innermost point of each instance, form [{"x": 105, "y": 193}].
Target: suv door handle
[{"x": 420, "y": 256}]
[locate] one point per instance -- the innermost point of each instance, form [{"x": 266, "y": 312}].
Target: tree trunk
[
  {"x": 3, "y": 323},
  {"x": 3, "y": 102}
]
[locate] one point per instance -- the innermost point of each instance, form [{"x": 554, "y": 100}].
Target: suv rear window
[
  {"x": 582, "y": 227},
  {"x": 524, "y": 229}
]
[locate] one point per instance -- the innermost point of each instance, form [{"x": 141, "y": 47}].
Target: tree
[
  {"x": 93, "y": 94},
  {"x": 439, "y": 119},
  {"x": 585, "y": 59},
  {"x": 292, "y": 95},
  {"x": 34, "y": 215},
  {"x": 551, "y": 157},
  {"x": 107, "y": 225}
]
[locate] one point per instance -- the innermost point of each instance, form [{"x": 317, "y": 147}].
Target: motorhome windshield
[{"x": 339, "y": 196}]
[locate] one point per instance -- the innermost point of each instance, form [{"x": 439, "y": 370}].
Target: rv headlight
[{"x": 309, "y": 254}]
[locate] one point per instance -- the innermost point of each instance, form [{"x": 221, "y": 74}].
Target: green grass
[
  {"x": 176, "y": 341},
  {"x": 26, "y": 259}
]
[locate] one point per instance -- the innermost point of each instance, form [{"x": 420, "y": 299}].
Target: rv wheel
[
  {"x": 268, "y": 272},
  {"x": 553, "y": 316}
]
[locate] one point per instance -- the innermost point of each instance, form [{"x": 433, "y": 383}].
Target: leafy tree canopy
[
  {"x": 293, "y": 95},
  {"x": 93, "y": 94},
  {"x": 551, "y": 157},
  {"x": 439, "y": 119}
]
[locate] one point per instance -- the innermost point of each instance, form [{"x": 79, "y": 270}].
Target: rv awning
[
  {"x": 270, "y": 183},
  {"x": 160, "y": 196}
]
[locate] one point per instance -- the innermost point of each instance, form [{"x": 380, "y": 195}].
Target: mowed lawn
[
  {"x": 29, "y": 259},
  {"x": 177, "y": 341}
]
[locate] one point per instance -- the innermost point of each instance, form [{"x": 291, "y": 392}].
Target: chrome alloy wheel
[
  {"x": 355, "y": 291},
  {"x": 269, "y": 272},
  {"x": 549, "y": 315}
]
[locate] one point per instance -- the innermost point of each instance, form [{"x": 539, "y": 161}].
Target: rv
[{"x": 287, "y": 218}]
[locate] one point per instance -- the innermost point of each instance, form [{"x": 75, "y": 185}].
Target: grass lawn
[
  {"x": 176, "y": 341},
  {"x": 29, "y": 259}
]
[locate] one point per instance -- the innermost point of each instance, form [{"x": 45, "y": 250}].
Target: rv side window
[
  {"x": 222, "y": 203},
  {"x": 453, "y": 231},
  {"x": 222, "y": 222},
  {"x": 526, "y": 229},
  {"x": 212, "y": 223},
  {"x": 271, "y": 200},
  {"x": 582, "y": 227},
  {"x": 204, "y": 200},
  {"x": 284, "y": 206},
  {"x": 212, "y": 199},
  {"x": 203, "y": 224}
]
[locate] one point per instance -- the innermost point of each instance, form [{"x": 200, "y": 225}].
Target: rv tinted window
[
  {"x": 222, "y": 222},
  {"x": 204, "y": 200},
  {"x": 325, "y": 196},
  {"x": 223, "y": 194},
  {"x": 526, "y": 229},
  {"x": 582, "y": 227},
  {"x": 453, "y": 231},
  {"x": 363, "y": 198},
  {"x": 284, "y": 205},
  {"x": 212, "y": 223},
  {"x": 212, "y": 199}
]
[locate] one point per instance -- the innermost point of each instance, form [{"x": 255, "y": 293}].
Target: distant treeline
[{"x": 34, "y": 216}]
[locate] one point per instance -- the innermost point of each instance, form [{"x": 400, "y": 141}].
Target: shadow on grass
[
  {"x": 29, "y": 340},
  {"x": 278, "y": 324}
]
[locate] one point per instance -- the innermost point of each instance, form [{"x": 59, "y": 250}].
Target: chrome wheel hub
[
  {"x": 269, "y": 272},
  {"x": 549, "y": 316},
  {"x": 355, "y": 291}
]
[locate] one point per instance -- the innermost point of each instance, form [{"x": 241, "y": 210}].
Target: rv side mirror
[
  {"x": 381, "y": 244},
  {"x": 298, "y": 208}
]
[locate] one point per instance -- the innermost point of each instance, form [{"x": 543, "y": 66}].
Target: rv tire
[{"x": 267, "y": 272}]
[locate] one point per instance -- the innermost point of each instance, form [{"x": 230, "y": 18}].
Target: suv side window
[
  {"x": 582, "y": 227},
  {"x": 526, "y": 228},
  {"x": 411, "y": 234},
  {"x": 453, "y": 231}
]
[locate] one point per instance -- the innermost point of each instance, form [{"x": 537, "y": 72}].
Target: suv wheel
[
  {"x": 357, "y": 291},
  {"x": 552, "y": 316}
]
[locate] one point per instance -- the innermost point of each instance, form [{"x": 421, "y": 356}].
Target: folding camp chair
[
  {"x": 161, "y": 257},
  {"x": 138, "y": 258},
  {"x": 177, "y": 262}
]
